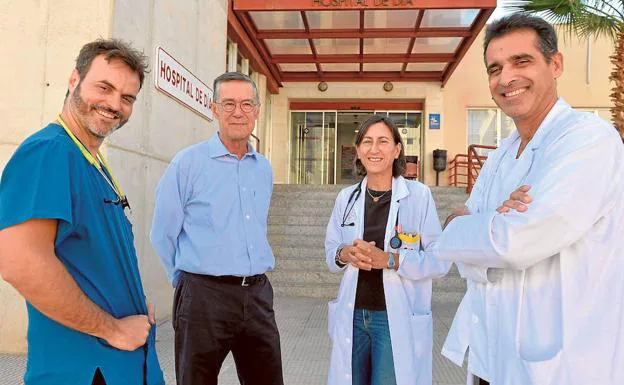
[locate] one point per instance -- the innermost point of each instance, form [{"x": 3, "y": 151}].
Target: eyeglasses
[{"x": 230, "y": 105}]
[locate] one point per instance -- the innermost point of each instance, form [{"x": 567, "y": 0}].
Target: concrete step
[
  {"x": 449, "y": 284},
  {"x": 309, "y": 187},
  {"x": 298, "y": 240},
  {"x": 288, "y": 264},
  {"x": 301, "y": 211},
  {"x": 296, "y": 203},
  {"x": 296, "y": 220},
  {"x": 306, "y": 194},
  {"x": 314, "y": 277},
  {"x": 311, "y": 277},
  {"x": 297, "y": 230},
  {"x": 299, "y": 252},
  {"x": 297, "y": 289}
]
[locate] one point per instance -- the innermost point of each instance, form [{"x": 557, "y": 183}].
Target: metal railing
[
  {"x": 464, "y": 168},
  {"x": 257, "y": 142}
]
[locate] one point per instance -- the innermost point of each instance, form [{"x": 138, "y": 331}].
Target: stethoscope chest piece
[{"x": 396, "y": 242}]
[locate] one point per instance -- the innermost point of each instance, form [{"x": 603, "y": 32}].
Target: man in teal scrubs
[{"x": 65, "y": 242}]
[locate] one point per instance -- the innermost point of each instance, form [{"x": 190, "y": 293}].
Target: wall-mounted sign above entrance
[
  {"x": 434, "y": 121},
  {"x": 174, "y": 80},
  {"x": 363, "y": 3}
]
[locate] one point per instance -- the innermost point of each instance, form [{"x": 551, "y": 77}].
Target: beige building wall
[
  {"x": 43, "y": 39},
  {"x": 584, "y": 84}
]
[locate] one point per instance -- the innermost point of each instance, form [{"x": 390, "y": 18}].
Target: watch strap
[
  {"x": 390, "y": 261},
  {"x": 339, "y": 263}
]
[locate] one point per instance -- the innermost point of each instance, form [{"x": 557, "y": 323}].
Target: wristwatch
[
  {"x": 339, "y": 263},
  {"x": 390, "y": 261}
]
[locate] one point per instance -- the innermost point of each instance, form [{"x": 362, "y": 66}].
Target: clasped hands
[{"x": 365, "y": 255}]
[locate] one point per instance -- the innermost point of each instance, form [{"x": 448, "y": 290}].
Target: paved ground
[{"x": 305, "y": 347}]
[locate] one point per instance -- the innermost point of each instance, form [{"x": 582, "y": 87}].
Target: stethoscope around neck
[{"x": 395, "y": 241}]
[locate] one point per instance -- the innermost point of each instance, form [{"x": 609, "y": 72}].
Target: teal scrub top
[{"x": 48, "y": 178}]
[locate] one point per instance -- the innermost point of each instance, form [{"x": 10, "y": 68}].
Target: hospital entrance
[{"x": 322, "y": 149}]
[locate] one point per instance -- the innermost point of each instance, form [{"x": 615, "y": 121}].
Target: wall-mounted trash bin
[{"x": 439, "y": 163}]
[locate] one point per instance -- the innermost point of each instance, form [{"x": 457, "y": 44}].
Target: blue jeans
[{"x": 371, "y": 358}]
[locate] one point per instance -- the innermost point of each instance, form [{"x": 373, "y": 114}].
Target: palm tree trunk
[{"x": 617, "y": 92}]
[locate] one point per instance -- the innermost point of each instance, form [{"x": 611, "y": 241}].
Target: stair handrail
[
  {"x": 257, "y": 142},
  {"x": 458, "y": 164},
  {"x": 473, "y": 170},
  {"x": 460, "y": 160}
]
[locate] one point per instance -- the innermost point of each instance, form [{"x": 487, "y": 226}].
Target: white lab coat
[
  {"x": 555, "y": 313},
  {"x": 407, "y": 291}
]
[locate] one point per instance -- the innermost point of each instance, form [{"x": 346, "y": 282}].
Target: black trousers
[{"x": 212, "y": 318}]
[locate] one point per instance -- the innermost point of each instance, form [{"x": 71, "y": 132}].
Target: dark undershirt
[{"x": 370, "y": 290}]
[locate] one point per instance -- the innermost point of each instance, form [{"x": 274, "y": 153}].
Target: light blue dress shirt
[{"x": 211, "y": 212}]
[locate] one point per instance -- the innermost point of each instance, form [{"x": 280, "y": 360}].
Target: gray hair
[
  {"x": 234, "y": 76},
  {"x": 546, "y": 35}
]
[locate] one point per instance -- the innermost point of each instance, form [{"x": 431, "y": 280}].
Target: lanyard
[{"x": 95, "y": 162}]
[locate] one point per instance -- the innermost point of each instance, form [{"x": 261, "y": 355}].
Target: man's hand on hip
[{"x": 129, "y": 333}]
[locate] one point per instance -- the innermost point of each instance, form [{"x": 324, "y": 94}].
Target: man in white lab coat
[{"x": 545, "y": 298}]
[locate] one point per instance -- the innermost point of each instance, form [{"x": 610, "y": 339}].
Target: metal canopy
[{"x": 362, "y": 40}]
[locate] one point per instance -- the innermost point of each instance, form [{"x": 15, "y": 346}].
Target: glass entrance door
[
  {"x": 313, "y": 147},
  {"x": 347, "y": 129},
  {"x": 322, "y": 147},
  {"x": 410, "y": 127}
]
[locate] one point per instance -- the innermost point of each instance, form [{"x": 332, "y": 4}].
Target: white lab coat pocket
[
  {"x": 332, "y": 309},
  {"x": 422, "y": 333},
  {"x": 543, "y": 372}
]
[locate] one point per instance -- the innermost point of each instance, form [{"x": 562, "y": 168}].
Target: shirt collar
[
  {"x": 543, "y": 128},
  {"x": 217, "y": 149}
]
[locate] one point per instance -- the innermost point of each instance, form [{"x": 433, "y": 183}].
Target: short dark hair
[
  {"x": 112, "y": 49},
  {"x": 234, "y": 76},
  {"x": 398, "y": 166},
  {"x": 546, "y": 35}
]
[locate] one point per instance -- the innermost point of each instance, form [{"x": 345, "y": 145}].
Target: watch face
[{"x": 395, "y": 242}]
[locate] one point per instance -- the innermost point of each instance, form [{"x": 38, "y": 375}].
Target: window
[
  {"x": 488, "y": 126},
  {"x": 604, "y": 113}
]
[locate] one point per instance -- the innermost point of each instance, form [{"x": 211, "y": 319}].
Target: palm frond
[
  {"x": 583, "y": 18},
  {"x": 606, "y": 7},
  {"x": 587, "y": 23}
]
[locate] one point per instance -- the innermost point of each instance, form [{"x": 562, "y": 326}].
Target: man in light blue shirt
[{"x": 210, "y": 231}]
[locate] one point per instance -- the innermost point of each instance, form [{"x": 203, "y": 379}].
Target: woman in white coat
[{"x": 381, "y": 324}]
